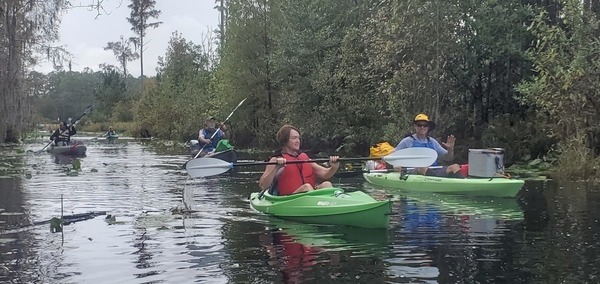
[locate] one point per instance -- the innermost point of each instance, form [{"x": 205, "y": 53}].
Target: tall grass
[{"x": 576, "y": 161}]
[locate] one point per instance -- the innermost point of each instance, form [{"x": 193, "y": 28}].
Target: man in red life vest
[{"x": 294, "y": 178}]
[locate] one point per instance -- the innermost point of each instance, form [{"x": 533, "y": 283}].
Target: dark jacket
[{"x": 63, "y": 137}]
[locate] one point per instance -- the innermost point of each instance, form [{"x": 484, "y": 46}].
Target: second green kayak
[
  {"x": 330, "y": 206},
  {"x": 499, "y": 187}
]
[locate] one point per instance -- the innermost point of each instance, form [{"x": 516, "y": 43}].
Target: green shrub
[
  {"x": 522, "y": 140},
  {"x": 123, "y": 111},
  {"x": 576, "y": 160}
]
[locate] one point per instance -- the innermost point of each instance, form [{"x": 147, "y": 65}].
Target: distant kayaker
[
  {"x": 62, "y": 135},
  {"x": 110, "y": 132},
  {"x": 145, "y": 133},
  {"x": 284, "y": 179},
  {"x": 208, "y": 143},
  {"x": 423, "y": 125}
]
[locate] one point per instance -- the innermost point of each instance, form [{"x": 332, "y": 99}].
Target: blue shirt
[
  {"x": 414, "y": 141},
  {"x": 206, "y": 134}
]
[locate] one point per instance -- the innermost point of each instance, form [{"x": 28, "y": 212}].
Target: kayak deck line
[{"x": 497, "y": 187}]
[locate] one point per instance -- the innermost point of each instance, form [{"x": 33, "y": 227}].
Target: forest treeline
[{"x": 517, "y": 74}]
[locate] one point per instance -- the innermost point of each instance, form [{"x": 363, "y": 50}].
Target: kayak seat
[{"x": 273, "y": 189}]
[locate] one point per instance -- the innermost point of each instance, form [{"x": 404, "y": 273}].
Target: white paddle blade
[
  {"x": 235, "y": 109},
  {"x": 203, "y": 167},
  {"x": 415, "y": 157}
]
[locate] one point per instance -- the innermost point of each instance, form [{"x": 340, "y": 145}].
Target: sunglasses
[{"x": 422, "y": 124}]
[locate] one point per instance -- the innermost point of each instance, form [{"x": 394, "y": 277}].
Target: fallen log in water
[{"x": 55, "y": 222}]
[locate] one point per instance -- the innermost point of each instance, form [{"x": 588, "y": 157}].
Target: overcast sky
[{"x": 85, "y": 36}]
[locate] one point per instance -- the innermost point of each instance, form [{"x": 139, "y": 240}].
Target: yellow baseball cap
[{"x": 422, "y": 117}]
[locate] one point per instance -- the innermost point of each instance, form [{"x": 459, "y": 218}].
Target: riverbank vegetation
[{"x": 520, "y": 75}]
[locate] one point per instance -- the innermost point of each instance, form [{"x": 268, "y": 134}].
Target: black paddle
[
  {"x": 409, "y": 157},
  {"x": 87, "y": 110}
]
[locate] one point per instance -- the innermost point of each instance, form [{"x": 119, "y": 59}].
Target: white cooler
[{"x": 486, "y": 162}]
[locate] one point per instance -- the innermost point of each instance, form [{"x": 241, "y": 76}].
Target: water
[{"x": 550, "y": 236}]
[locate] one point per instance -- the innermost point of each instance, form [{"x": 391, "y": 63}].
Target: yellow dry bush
[{"x": 576, "y": 160}]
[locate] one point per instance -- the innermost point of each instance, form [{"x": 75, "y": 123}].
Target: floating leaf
[
  {"x": 55, "y": 225},
  {"x": 76, "y": 165}
]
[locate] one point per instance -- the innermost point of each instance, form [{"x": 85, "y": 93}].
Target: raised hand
[{"x": 449, "y": 144}]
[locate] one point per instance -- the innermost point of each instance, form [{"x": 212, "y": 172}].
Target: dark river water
[{"x": 549, "y": 235}]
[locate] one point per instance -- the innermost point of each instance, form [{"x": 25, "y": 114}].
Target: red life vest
[{"x": 295, "y": 175}]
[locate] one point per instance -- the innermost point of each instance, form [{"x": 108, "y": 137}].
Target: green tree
[
  {"x": 565, "y": 90},
  {"x": 109, "y": 92},
  {"x": 307, "y": 60},
  {"x": 123, "y": 52},
  {"x": 70, "y": 92},
  {"x": 25, "y": 28},
  {"x": 142, "y": 12},
  {"x": 176, "y": 106},
  {"x": 245, "y": 72},
  {"x": 490, "y": 61},
  {"x": 566, "y": 59},
  {"x": 222, "y": 19}
]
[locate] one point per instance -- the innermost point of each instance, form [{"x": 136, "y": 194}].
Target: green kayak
[
  {"x": 330, "y": 206},
  {"x": 499, "y": 187}
]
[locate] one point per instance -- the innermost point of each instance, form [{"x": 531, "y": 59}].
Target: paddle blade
[
  {"x": 203, "y": 167},
  {"x": 414, "y": 157},
  {"x": 235, "y": 109}
]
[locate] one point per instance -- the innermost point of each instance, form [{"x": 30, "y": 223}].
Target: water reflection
[
  {"x": 11, "y": 184},
  {"x": 294, "y": 249},
  {"x": 15, "y": 259},
  {"x": 291, "y": 252},
  {"x": 452, "y": 238},
  {"x": 291, "y": 258},
  {"x": 64, "y": 159},
  {"x": 550, "y": 236},
  {"x": 562, "y": 232}
]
